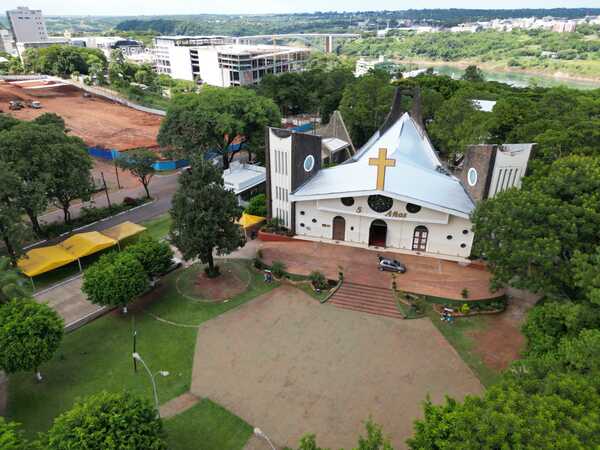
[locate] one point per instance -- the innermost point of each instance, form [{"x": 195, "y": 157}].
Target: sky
[{"x": 158, "y": 7}]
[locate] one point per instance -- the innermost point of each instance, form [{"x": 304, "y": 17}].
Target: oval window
[
  {"x": 380, "y": 203},
  {"x": 347, "y": 201},
  {"x": 449, "y": 237},
  {"x": 309, "y": 163},
  {"x": 412, "y": 208},
  {"x": 472, "y": 176}
]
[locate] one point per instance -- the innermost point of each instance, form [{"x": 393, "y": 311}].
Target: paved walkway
[
  {"x": 424, "y": 275},
  {"x": 291, "y": 366}
]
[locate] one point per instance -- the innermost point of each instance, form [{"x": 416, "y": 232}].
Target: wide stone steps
[{"x": 367, "y": 299}]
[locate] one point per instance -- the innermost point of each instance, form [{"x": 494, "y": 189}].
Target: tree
[
  {"x": 457, "y": 124},
  {"x": 156, "y": 257},
  {"x": 204, "y": 215},
  {"x": 70, "y": 171},
  {"x": 365, "y": 104},
  {"x": 12, "y": 229},
  {"x": 115, "y": 279},
  {"x": 141, "y": 165},
  {"x": 107, "y": 421},
  {"x": 374, "y": 440},
  {"x": 10, "y": 436},
  {"x": 30, "y": 333},
  {"x": 50, "y": 119},
  {"x": 62, "y": 60},
  {"x": 473, "y": 73},
  {"x": 12, "y": 284},
  {"x": 211, "y": 121},
  {"x": 587, "y": 275}
]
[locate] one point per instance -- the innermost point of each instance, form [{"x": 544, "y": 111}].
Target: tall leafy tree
[
  {"x": 11, "y": 438},
  {"x": 12, "y": 284},
  {"x": 204, "y": 215},
  {"x": 211, "y": 121},
  {"x": 140, "y": 163},
  {"x": 473, "y": 73},
  {"x": 156, "y": 257},
  {"x": 13, "y": 231},
  {"x": 365, "y": 104},
  {"x": 30, "y": 334},
  {"x": 107, "y": 421},
  {"x": 50, "y": 119},
  {"x": 115, "y": 279}
]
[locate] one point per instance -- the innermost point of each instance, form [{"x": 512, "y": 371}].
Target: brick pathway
[
  {"x": 424, "y": 275},
  {"x": 178, "y": 405}
]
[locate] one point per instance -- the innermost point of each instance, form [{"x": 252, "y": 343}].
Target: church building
[{"x": 393, "y": 193}]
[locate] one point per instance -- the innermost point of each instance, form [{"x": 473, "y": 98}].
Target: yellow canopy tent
[
  {"x": 248, "y": 220},
  {"x": 41, "y": 260},
  {"x": 123, "y": 231},
  {"x": 84, "y": 244}
]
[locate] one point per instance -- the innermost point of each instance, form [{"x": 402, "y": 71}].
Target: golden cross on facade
[{"x": 381, "y": 162}]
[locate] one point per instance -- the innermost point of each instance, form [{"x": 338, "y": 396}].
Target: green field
[{"x": 98, "y": 356}]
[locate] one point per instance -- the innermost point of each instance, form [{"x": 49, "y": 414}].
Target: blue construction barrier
[
  {"x": 304, "y": 128},
  {"x": 161, "y": 166},
  {"x": 103, "y": 153}
]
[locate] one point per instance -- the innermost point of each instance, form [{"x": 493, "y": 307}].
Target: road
[{"x": 162, "y": 188}]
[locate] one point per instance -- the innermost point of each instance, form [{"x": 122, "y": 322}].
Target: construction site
[{"x": 100, "y": 122}]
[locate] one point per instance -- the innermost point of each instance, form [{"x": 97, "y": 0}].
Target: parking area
[
  {"x": 289, "y": 365},
  {"x": 67, "y": 299}
]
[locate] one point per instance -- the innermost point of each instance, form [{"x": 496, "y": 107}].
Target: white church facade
[{"x": 394, "y": 193}]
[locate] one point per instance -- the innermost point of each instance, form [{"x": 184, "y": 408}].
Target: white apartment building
[
  {"x": 6, "y": 42},
  {"x": 214, "y": 60},
  {"x": 27, "y": 25}
]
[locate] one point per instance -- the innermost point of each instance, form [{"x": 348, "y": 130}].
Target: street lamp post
[
  {"x": 163, "y": 373},
  {"x": 261, "y": 434}
]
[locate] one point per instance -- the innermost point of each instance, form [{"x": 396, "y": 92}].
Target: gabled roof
[
  {"x": 417, "y": 175},
  {"x": 336, "y": 128}
]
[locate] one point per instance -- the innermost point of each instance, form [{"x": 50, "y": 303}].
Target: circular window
[
  {"x": 309, "y": 163},
  {"x": 301, "y": 224},
  {"x": 472, "y": 176},
  {"x": 314, "y": 221},
  {"x": 463, "y": 245},
  {"x": 380, "y": 203},
  {"x": 465, "y": 231},
  {"x": 412, "y": 208},
  {"x": 301, "y": 213},
  {"x": 449, "y": 237},
  {"x": 347, "y": 201}
]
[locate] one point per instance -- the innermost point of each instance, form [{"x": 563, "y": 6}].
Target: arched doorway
[
  {"x": 378, "y": 233},
  {"x": 339, "y": 228},
  {"x": 420, "y": 239}
]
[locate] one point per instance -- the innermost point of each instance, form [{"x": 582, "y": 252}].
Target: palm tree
[{"x": 12, "y": 284}]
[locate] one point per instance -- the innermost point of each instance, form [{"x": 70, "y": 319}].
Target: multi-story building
[
  {"x": 6, "y": 42},
  {"x": 27, "y": 25},
  {"x": 216, "y": 61}
]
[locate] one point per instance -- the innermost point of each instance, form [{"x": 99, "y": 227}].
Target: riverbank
[{"x": 500, "y": 67}]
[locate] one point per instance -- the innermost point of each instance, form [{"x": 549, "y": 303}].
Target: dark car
[{"x": 391, "y": 265}]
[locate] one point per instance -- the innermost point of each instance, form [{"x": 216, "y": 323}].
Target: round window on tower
[
  {"x": 380, "y": 203},
  {"x": 347, "y": 201},
  {"x": 309, "y": 163},
  {"x": 472, "y": 176}
]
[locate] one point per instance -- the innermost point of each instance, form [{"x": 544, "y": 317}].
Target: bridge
[{"x": 328, "y": 37}]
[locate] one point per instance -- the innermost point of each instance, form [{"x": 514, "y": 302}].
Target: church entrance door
[
  {"x": 420, "y": 239},
  {"x": 378, "y": 233},
  {"x": 339, "y": 228}
]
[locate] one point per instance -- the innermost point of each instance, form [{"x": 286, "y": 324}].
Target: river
[{"x": 520, "y": 79}]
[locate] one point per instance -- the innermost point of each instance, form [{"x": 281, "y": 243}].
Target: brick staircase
[{"x": 368, "y": 299}]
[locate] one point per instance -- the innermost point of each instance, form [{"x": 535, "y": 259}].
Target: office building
[{"x": 27, "y": 25}]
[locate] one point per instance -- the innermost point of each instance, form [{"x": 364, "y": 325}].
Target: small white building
[
  {"x": 245, "y": 180},
  {"x": 6, "y": 42},
  {"x": 214, "y": 60}
]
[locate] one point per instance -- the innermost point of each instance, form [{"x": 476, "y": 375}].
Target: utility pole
[{"x": 106, "y": 190}]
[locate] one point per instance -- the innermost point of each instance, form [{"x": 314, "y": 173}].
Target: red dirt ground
[
  {"x": 99, "y": 122},
  {"x": 500, "y": 342},
  {"x": 217, "y": 289}
]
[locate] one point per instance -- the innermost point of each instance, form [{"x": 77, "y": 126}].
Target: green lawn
[
  {"x": 159, "y": 227},
  {"x": 98, "y": 355},
  {"x": 457, "y": 334},
  {"x": 207, "y": 426}
]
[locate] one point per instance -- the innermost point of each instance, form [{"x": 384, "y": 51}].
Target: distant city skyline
[{"x": 172, "y": 7}]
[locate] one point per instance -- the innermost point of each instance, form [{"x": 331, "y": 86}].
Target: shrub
[
  {"x": 257, "y": 206},
  {"x": 258, "y": 263},
  {"x": 318, "y": 280},
  {"x": 464, "y": 293},
  {"x": 275, "y": 225},
  {"x": 259, "y": 253},
  {"x": 278, "y": 268},
  {"x": 156, "y": 257},
  {"x": 107, "y": 421},
  {"x": 11, "y": 437},
  {"x": 465, "y": 309}
]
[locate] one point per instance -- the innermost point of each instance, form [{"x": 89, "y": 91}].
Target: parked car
[
  {"x": 15, "y": 105},
  {"x": 391, "y": 265},
  {"x": 35, "y": 104}
]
